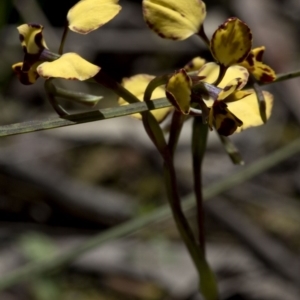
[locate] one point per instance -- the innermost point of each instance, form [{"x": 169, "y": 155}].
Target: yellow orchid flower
[
  {"x": 228, "y": 108},
  {"x": 88, "y": 15},
  {"x": 253, "y": 63},
  {"x": 234, "y": 110},
  {"x": 175, "y": 20},
  {"x": 137, "y": 85},
  {"x": 37, "y": 56}
]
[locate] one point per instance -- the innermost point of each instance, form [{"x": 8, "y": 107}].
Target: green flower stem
[
  {"x": 50, "y": 264},
  {"x": 207, "y": 282},
  {"x": 199, "y": 139},
  {"x": 203, "y": 36},
  {"x": 155, "y": 133},
  {"x": 153, "y": 84},
  {"x": 63, "y": 38},
  {"x": 175, "y": 130}
]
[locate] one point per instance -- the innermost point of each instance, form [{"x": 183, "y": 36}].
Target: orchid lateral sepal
[
  {"x": 231, "y": 150},
  {"x": 49, "y": 88},
  {"x": 79, "y": 97}
]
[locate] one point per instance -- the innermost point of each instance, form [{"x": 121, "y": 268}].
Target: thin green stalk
[
  {"x": 153, "y": 84},
  {"x": 199, "y": 139},
  {"x": 175, "y": 130},
  {"x": 286, "y": 76},
  {"x": 203, "y": 36},
  {"x": 207, "y": 282},
  {"x": 161, "y": 214},
  {"x": 63, "y": 38}
]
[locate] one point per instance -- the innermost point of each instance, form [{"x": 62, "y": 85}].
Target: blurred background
[{"x": 62, "y": 186}]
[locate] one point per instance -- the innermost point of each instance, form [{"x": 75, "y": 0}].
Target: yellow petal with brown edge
[
  {"x": 69, "y": 66},
  {"x": 137, "y": 85},
  {"x": 231, "y": 43},
  {"x": 195, "y": 64},
  {"x": 175, "y": 20},
  {"x": 31, "y": 37},
  {"x": 89, "y": 15},
  {"x": 178, "y": 91},
  {"x": 247, "y": 110},
  {"x": 211, "y": 72},
  {"x": 26, "y": 78},
  {"x": 253, "y": 62},
  {"x": 230, "y": 88}
]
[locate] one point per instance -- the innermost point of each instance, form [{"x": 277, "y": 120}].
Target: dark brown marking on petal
[
  {"x": 220, "y": 107},
  {"x": 227, "y": 127},
  {"x": 250, "y": 59},
  {"x": 35, "y": 25},
  {"x": 24, "y": 77},
  {"x": 24, "y": 49},
  {"x": 38, "y": 39},
  {"x": 227, "y": 88},
  {"x": 240, "y": 82},
  {"x": 152, "y": 27},
  {"x": 79, "y": 30},
  {"x": 21, "y": 38},
  {"x": 259, "y": 55},
  {"x": 160, "y": 34},
  {"x": 26, "y": 66},
  {"x": 190, "y": 65},
  {"x": 266, "y": 78},
  {"x": 173, "y": 101}
]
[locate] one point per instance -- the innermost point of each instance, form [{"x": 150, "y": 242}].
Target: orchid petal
[
  {"x": 89, "y": 15},
  {"x": 176, "y": 20},
  {"x": 69, "y": 66},
  {"x": 232, "y": 42}
]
